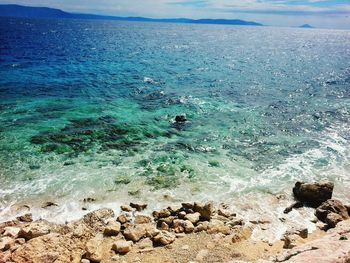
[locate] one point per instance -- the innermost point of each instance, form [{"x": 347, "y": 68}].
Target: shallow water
[{"x": 87, "y": 109}]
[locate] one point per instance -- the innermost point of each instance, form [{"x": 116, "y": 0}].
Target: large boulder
[
  {"x": 48, "y": 249},
  {"x": 332, "y": 212},
  {"x": 333, "y": 247},
  {"x": 313, "y": 194}
]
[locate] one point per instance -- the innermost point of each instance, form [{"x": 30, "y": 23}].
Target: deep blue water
[{"x": 87, "y": 108}]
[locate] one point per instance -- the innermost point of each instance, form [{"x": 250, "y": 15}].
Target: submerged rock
[
  {"x": 313, "y": 194},
  {"x": 181, "y": 118}
]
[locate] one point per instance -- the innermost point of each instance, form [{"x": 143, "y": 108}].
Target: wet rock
[
  {"x": 162, "y": 213},
  {"x": 112, "y": 228},
  {"x": 97, "y": 219},
  {"x": 6, "y": 243},
  {"x": 164, "y": 238},
  {"x": 206, "y": 210},
  {"x": 48, "y": 249},
  {"x": 126, "y": 208},
  {"x": 11, "y": 231},
  {"x": 25, "y": 218},
  {"x": 48, "y": 204},
  {"x": 313, "y": 194},
  {"x": 193, "y": 218},
  {"x": 142, "y": 219},
  {"x": 168, "y": 220},
  {"x": 138, "y": 207},
  {"x": 295, "y": 205},
  {"x": 35, "y": 229},
  {"x": 122, "y": 246},
  {"x": 187, "y": 206},
  {"x": 332, "y": 212},
  {"x": 180, "y": 118}
]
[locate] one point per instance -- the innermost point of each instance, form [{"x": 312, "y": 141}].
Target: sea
[{"x": 88, "y": 109}]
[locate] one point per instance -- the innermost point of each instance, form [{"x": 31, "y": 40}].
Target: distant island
[
  {"x": 46, "y": 12},
  {"x": 306, "y": 26}
]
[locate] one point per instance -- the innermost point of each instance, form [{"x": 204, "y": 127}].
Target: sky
[{"x": 318, "y": 13}]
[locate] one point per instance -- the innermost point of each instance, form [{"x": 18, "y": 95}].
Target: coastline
[{"x": 187, "y": 232}]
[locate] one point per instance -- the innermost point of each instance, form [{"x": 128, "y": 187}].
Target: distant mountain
[
  {"x": 46, "y": 12},
  {"x": 306, "y": 26}
]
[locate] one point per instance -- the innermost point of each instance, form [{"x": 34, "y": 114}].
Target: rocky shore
[{"x": 188, "y": 232}]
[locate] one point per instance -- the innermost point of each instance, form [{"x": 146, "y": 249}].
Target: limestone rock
[
  {"x": 332, "y": 212},
  {"x": 142, "y": 219},
  {"x": 48, "y": 249},
  {"x": 178, "y": 225},
  {"x": 94, "y": 249},
  {"x": 35, "y": 229},
  {"x": 122, "y": 246},
  {"x": 11, "y": 231},
  {"x": 138, "y": 207},
  {"x": 122, "y": 219},
  {"x": 202, "y": 226},
  {"x": 331, "y": 248},
  {"x": 25, "y": 218},
  {"x": 162, "y": 213},
  {"x": 145, "y": 243},
  {"x": 206, "y": 210},
  {"x": 112, "y": 228},
  {"x": 164, "y": 238},
  {"x": 126, "y": 208},
  {"x": 314, "y": 194},
  {"x": 135, "y": 232},
  {"x": 188, "y": 226},
  {"x": 6, "y": 243},
  {"x": 301, "y": 231},
  {"x": 168, "y": 220},
  {"x": 290, "y": 241},
  {"x": 5, "y": 257},
  {"x": 97, "y": 219},
  {"x": 193, "y": 218},
  {"x": 216, "y": 226}
]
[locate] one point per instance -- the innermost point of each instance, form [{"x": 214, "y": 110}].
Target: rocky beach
[{"x": 187, "y": 232}]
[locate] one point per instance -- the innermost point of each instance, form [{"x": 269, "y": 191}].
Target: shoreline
[{"x": 187, "y": 232}]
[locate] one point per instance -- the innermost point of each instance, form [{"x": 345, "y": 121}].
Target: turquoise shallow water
[{"x": 87, "y": 109}]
